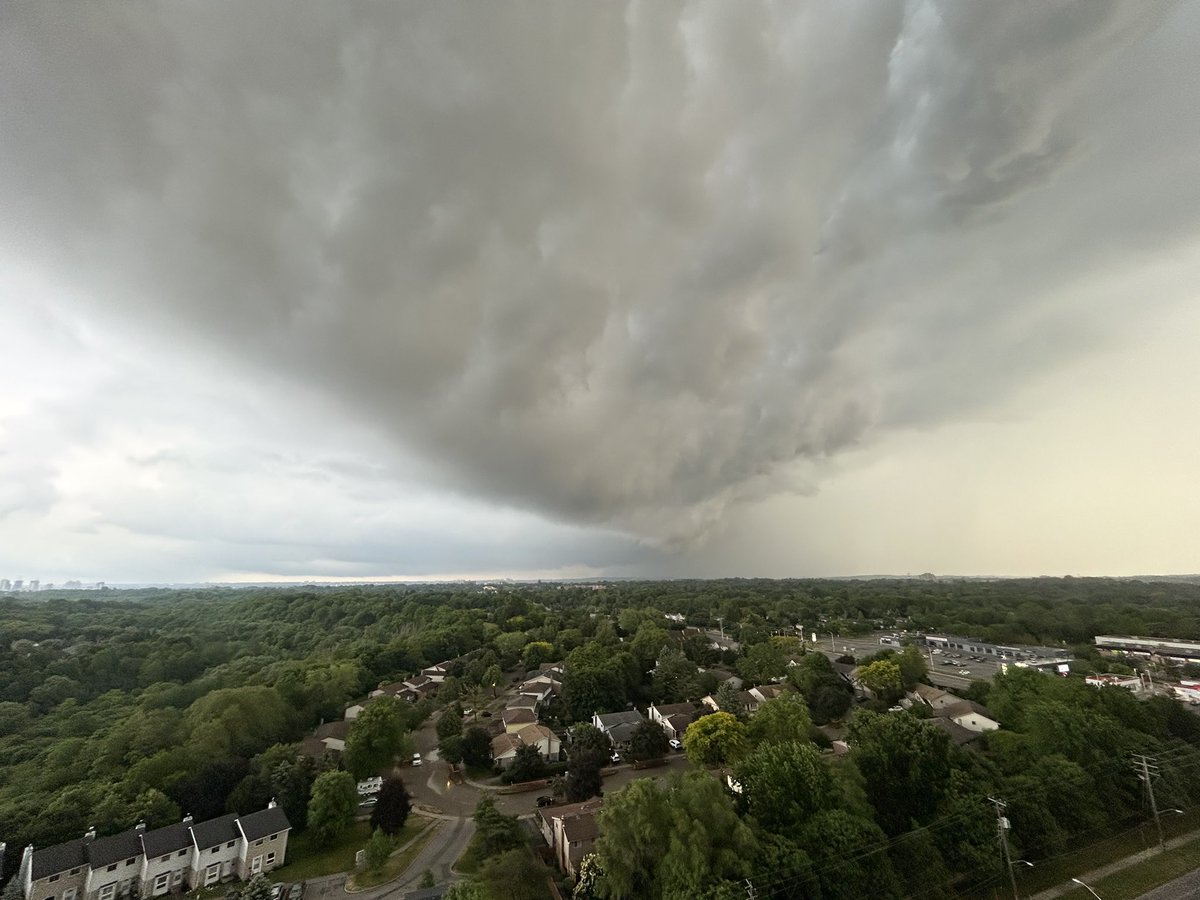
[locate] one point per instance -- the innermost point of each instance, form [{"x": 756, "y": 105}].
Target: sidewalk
[{"x": 1104, "y": 871}]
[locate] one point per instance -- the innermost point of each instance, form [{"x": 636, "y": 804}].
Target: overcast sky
[{"x": 335, "y": 291}]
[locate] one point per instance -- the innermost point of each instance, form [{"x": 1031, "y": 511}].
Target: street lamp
[{"x": 1090, "y": 891}]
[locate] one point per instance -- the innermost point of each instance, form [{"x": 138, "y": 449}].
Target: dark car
[{"x": 545, "y": 801}]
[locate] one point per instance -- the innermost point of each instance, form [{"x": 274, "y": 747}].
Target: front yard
[{"x": 308, "y": 859}]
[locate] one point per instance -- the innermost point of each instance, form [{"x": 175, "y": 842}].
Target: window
[
  {"x": 52, "y": 879},
  {"x": 111, "y": 868},
  {"x": 215, "y": 849},
  {"x": 69, "y": 894},
  {"x": 181, "y": 852},
  {"x": 211, "y": 875},
  {"x": 230, "y": 844},
  {"x": 75, "y": 871},
  {"x": 167, "y": 858},
  {"x": 274, "y": 835},
  {"x": 131, "y": 861},
  {"x": 107, "y": 892},
  {"x": 258, "y": 843},
  {"x": 256, "y": 865},
  {"x": 271, "y": 859}
]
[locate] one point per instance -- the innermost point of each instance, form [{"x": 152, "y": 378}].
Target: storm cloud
[{"x": 613, "y": 264}]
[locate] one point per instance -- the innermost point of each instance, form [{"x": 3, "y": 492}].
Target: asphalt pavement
[{"x": 1186, "y": 887}]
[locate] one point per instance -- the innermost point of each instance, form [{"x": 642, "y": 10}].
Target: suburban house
[
  {"x": 524, "y": 701},
  {"x": 750, "y": 700},
  {"x": 618, "y": 726},
  {"x": 329, "y": 737},
  {"x": 516, "y": 719},
  {"x": 673, "y": 717},
  {"x": 957, "y": 734},
  {"x": 416, "y": 688},
  {"x": 354, "y": 711},
  {"x": 934, "y": 698},
  {"x": 571, "y": 832},
  {"x": 506, "y": 745},
  {"x": 175, "y": 858},
  {"x": 970, "y": 715}
]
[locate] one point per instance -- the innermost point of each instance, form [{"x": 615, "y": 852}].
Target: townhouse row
[{"x": 145, "y": 863}]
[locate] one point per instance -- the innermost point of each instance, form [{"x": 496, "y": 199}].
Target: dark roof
[
  {"x": 518, "y": 715},
  {"x": 581, "y": 827},
  {"x": 264, "y": 822},
  {"x": 671, "y": 709},
  {"x": 107, "y": 850},
  {"x": 216, "y": 831},
  {"x": 339, "y": 730},
  {"x": 964, "y": 707},
  {"x": 162, "y": 841},
  {"x": 629, "y": 717},
  {"x": 957, "y": 733},
  {"x": 312, "y": 746},
  {"x": 59, "y": 858}
]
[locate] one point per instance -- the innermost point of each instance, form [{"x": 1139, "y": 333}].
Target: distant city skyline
[{"x": 632, "y": 290}]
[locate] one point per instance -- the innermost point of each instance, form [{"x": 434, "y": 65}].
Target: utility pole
[
  {"x": 1146, "y": 766},
  {"x": 1002, "y": 827},
  {"x": 750, "y": 891}
]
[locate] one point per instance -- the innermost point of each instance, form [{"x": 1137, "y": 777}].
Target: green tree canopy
[
  {"x": 333, "y": 804},
  {"x": 376, "y": 738},
  {"x": 782, "y": 718},
  {"x": 392, "y": 806},
  {"x": 648, "y": 741},
  {"x": 905, "y": 764},
  {"x": 784, "y": 784},
  {"x": 715, "y": 740}
]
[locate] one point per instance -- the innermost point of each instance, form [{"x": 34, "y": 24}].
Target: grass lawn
[
  {"x": 308, "y": 859},
  {"x": 471, "y": 859},
  {"x": 416, "y": 827},
  {"x": 1137, "y": 880}
]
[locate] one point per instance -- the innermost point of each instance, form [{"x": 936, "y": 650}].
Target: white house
[
  {"x": 618, "y": 726},
  {"x": 970, "y": 715}
]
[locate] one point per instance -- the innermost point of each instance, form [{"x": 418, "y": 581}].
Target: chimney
[
  {"x": 140, "y": 827},
  {"x": 272, "y": 804},
  {"x": 187, "y": 820},
  {"x": 91, "y": 834}
]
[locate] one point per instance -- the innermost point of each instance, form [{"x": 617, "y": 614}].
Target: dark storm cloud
[{"x": 617, "y": 264}]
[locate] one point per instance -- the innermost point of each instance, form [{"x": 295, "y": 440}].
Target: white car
[
  {"x": 616, "y": 757},
  {"x": 675, "y": 744},
  {"x": 416, "y": 760}
]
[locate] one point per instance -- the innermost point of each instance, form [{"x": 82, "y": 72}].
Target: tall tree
[
  {"x": 882, "y": 678},
  {"x": 785, "y": 784},
  {"x": 257, "y": 888},
  {"x": 392, "y": 806},
  {"x": 905, "y": 764},
  {"x": 783, "y": 718},
  {"x": 715, "y": 740},
  {"x": 375, "y": 738},
  {"x": 648, "y": 741},
  {"x": 331, "y": 809},
  {"x": 477, "y": 747}
]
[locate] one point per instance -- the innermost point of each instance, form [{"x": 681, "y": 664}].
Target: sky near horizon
[{"x": 311, "y": 291}]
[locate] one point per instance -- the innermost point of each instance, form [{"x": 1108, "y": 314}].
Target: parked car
[
  {"x": 370, "y": 801},
  {"x": 676, "y": 744},
  {"x": 616, "y": 757},
  {"x": 416, "y": 760},
  {"x": 545, "y": 800}
]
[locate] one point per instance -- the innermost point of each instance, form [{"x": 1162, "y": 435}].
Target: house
[
  {"x": 750, "y": 700},
  {"x": 765, "y": 692},
  {"x": 673, "y": 717},
  {"x": 970, "y": 715},
  {"x": 152, "y": 863},
  {"x": 524, "y": 701},
  {"x": 934, "y": 698},
  {"x": 571, "y": 831},
  {"x": 516, "y": 719},
  {"x": 506, "y": 745},
  {"x": 618, "y": 726},
  {"x": 333, "y": 735},
  {"x": 354, "y": 711},
  {"x": 958, "y": 735}
]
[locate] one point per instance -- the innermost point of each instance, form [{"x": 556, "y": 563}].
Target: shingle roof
[
  {"x": 339, "y": 730},
  {"x": 107, "y": 850},
  {"x": 264, "y": 822},
  {"x": 963, "y": 708},
  {"x": 162, "y": 841},
  {"x": 59, "y": 858},
  {"x": 216, "y": 831},
  {"x": 670, "y": 709},
  {"x": 581, "y": 827},
  {"x": 517, "y": 716},
  {"x": 630, "y": 717}
]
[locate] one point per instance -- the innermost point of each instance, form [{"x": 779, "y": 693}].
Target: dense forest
[{"x": 126, "y": 706}]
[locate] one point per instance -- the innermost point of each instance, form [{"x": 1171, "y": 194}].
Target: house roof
[
  {"x": 670, "y": 709},
  {"x": 311, "y": 746},
  {"x": 531, "y": 734},
  {"x": 524, "y": 701},
  {"x": 571, "y": 810},
  {"x": 503, "y": 744},
  {"x": 339, "y": 729},
  {"x": 59, "y": 858},
  {"x": 517, "y": 716},
  {"x": 107, "y": 850},
  {"x": 168, "y": 839},
  {"x": 964, "y": 708},
  {"x": 581, "y": 827},
  {"x": 768, "y": 691},
  {"x": 622, "y": 732},
  {"x": 216, "y": 831},
  {"x": 680, "y": 721},
  {"x": 928, "y": 693},
  {"x": 628, "y": 717},
  {"x": 264, "y": 822},
  {"x": 958, "y": 734},
  {"x": 394, "y": 688}
]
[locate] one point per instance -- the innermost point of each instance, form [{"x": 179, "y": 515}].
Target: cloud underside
[{"x": 615, "y": 264}]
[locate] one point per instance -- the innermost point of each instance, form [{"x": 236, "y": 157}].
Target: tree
[
  {"x": 728, "y": 700},
  {"x": 466, "y": 890},
  {"x": 450, "y": 749},
  {"x": 392, "y": 806},
  {"x": 827, "y": 694},
  {"x": 588, "y": 877},
  {"x": 715, "y": 740},
  {"x": 905, "y": 764},
  {"x": 589, "y": 754},
  {"x": 379, "y": 848},
  {"x": 375, "y": 738},
  {"x": 672, "y": 841},
  {"x": 13, "y": 890},
  {"x": 331, "y": 809},
  {"x": 257, "y": 888},
  {"x": 783, "y": 718},
  {"x": 648, "y": 741},
  {"x": 449, "y": 724},
  {"x": 676, "y": 678},
  {"x": 513, "y": 875},
  {"x": 493, "y": 677},
  {"x": 913, "y": 667},
  {"x": 477, "y": 747},
  {"x": 528, "y": 764},
  {"x": 763, "y": 662},
  {"x": 496, "y": 832},
  {"x": 785, "y": 784},
  {"x": 536, "y": 653},
  {"x": 882, "y": 678}
]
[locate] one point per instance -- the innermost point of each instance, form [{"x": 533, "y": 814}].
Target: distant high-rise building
[
  {"x": 73, "y": 585},
  {"x": 19, "y": 584},
  {"x": 5, "y": 584},
  {"x": 34, "y": 584}
]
